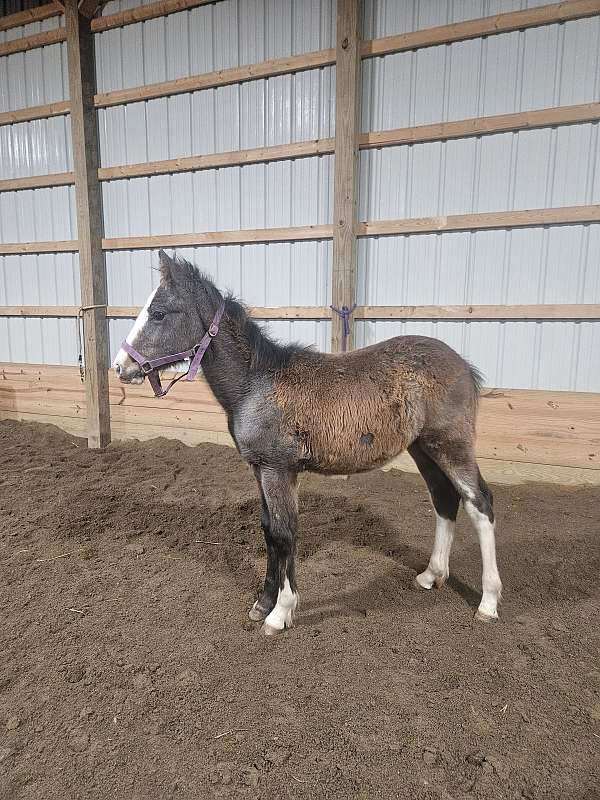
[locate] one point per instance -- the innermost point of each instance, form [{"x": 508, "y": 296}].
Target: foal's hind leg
[
  {"x": 457, "y": 460},
  {"x": 280, "y": 491},
  {"x": 268, "y": 598},
  {"x": 445, "y": 501}
]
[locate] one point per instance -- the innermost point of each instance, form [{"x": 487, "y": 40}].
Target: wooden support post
[
  {"x": 84, "y": 132},
  {"x": 347, "y": 126}
]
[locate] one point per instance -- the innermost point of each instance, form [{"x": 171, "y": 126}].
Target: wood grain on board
[{"x": 515, "y": 425}]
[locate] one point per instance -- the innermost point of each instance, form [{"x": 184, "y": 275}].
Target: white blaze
[{"x": 138, "y": 325}]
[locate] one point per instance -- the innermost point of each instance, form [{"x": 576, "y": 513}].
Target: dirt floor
[{"x": 128, "y": 668}]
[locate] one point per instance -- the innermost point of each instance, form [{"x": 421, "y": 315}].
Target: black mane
[{"x": 265, "y": 352}]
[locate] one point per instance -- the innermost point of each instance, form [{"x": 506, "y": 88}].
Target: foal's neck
[{"x": 227, "y": 362}]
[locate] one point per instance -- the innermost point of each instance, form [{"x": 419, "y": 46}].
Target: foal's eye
[{"x": 157, "y": 316}]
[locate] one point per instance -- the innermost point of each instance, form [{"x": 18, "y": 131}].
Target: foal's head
[{"x": 174, "y": 318}]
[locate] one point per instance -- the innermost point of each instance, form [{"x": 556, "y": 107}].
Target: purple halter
[{"x": 150, "y": 366}]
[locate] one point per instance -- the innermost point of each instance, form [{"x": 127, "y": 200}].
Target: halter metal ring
[{"x": 146, "y": 367}]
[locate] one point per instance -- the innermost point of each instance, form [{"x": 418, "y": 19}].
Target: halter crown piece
[{"x": 151, "y": 366}]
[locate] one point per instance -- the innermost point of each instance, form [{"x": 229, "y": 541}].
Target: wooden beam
[
  {"x": 32, "y": 42},
  {"x": 484, "y": 26},
  {"x": 39, "y": 311},
  {"x": 256, "y": 155},
  {"x": 298, "y": 233},
  {"x": 257, "y": 312},
  {"x": 222, "y": 77},
  {"x": 261, "y": 235},
  {"x": 30, "y": 15},
  {"x": 480, "y": 126},
  {"x": 345, "y": 190},
  {"x": 143, "y": 13},
  {"x": 544, "y": 311},
  {"x": 58, "y": 109},
  {"x": 536, "y": 217},
  {"x": 37, "y": 182},
  {"x": 28, "y": 248},
  {"x": 84, "y": 134}
]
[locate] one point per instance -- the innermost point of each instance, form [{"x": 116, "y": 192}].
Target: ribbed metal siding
[
  {"x": 260, "y": 113},
  {"x": 27, "y": 79},
  {"x": 389, "y": 17},
  {"x": 279, "y": 110},
  {"x": 537, "y": 68},
  {"x": 523, "y": 70}
]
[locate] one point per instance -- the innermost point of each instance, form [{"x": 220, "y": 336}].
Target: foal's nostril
[{"x": 118, "y": 369}]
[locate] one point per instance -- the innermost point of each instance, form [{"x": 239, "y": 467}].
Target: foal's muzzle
[{"x": 129, "y": 373}]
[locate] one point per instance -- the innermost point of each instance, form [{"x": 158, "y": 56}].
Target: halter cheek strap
[{"x": 150, "y": 366}]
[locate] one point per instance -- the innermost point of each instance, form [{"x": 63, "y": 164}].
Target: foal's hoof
[
  {"x": 481, "y": 617},
  {"x": 416, "y": 584},
  {"x": 257, "y": 614},
  {"x": 269, "y": 630}
]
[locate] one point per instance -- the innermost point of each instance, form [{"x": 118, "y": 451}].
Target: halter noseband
[{"x": 150, "y": 366}]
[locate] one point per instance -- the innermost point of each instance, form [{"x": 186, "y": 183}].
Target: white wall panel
[
  {"x": 536, "y": 68},
  {"x": 278, "y": 110},
  {"x": 51, "y": 279},
  {"x": 36, "y": 77},
  {"x": 562, "y": 356},
  {"x": 33, "y": 77},
  {"x": 520, "y": 71}
]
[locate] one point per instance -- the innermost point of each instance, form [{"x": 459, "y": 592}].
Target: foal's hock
[{"x": 290, "y": 409}]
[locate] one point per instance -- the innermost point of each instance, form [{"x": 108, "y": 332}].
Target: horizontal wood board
[{"x": 515, "y": 425}]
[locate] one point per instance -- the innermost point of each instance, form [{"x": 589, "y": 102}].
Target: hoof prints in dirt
[
  {"x": 230, "y": 531},
  {"x": 156, "y": 689}
]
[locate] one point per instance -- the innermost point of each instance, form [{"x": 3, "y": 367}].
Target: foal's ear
[{"x": 167, "y": 269}]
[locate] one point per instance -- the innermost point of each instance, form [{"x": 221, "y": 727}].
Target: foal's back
[{"x": 354, "y": 411}]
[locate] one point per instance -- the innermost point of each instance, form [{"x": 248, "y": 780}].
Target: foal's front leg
[
  {"x": 268, "y": 598},
  {"x": 280, "y": 492}
]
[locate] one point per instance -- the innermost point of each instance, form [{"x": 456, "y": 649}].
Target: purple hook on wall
[{"x": 344, "y": 313}]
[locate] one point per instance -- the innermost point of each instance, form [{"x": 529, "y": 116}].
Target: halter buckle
[
  {"x": 213, "y": 330},
  {"x": 146, "y": 368}
]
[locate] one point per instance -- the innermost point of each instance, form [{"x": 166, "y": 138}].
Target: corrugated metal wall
[
  {"x": 259, "y": 113},
  {"x": 43, "y": 146},
  {"x": 537, "y": 68},
  {"x": 553, "y": 65}
]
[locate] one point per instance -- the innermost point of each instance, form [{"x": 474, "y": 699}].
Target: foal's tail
[{"x": 477, "y": 379}]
